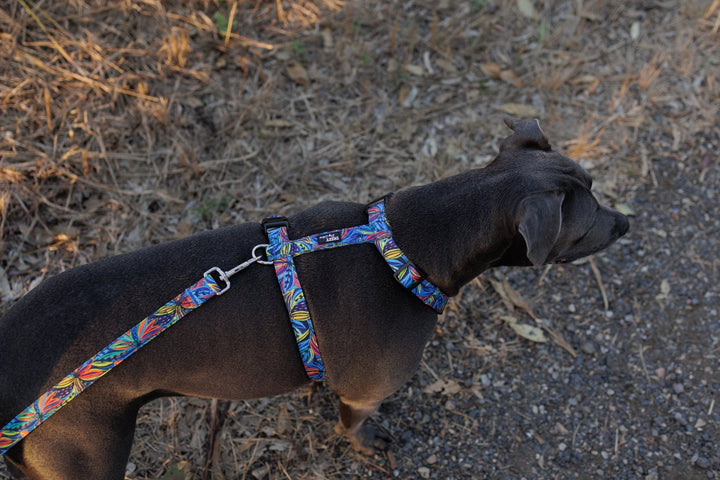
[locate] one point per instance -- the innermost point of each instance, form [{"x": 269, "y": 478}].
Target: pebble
[
  {"x": 424, "y": 472},
  {"x": 703, "y": 463},
  {"x": 588, "y": 347},
  {"x": 678, "y": 388},
  {"x": 431, "y": 459}
]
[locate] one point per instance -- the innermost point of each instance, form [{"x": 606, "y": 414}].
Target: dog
[{"x": 530, "y": 206}]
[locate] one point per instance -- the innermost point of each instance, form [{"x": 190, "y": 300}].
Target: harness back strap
[{"x": 281, "y": 250}]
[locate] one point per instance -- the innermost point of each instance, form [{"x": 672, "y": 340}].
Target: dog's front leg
[{"x": 365, "y": 438}]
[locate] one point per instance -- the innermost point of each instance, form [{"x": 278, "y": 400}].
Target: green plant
[
  {"x": 297, "y": 48},
  {"x": 477, "y": 5},
  {"x": 365, "y": 58},
  {"x": 211, "y": 206},
  {"x": 221, "y": 22}
]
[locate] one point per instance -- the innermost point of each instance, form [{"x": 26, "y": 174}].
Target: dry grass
[{"x": 125, "y": 123}]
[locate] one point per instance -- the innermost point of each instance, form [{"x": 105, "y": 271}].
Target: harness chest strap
[{"x": 281, "y": 250}]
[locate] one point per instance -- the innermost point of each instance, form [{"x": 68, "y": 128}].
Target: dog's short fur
[{"x": 530, "y": 206}]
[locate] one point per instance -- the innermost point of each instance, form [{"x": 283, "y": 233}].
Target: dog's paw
[{"x": 368, "y": 439}]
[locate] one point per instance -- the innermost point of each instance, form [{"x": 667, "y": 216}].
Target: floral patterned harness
[{"x": 280, "y": 252}]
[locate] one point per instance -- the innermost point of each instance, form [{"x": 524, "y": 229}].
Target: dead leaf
[
  {"x": 519, "y": 110},
  {"x": 584, "y": 80},
  {"x": 527, "y": 9},
  {"x": 446, "y": 65},
  {"x": 298, "y": 74},
  {"x": 491, "y": 69},
  {"x": 444, "y": 97},
  {"x": 517, "y": 299},
  {"x": 407, "y": 96},
  {"x": 529, "y": 332},
  {"x": 625, "y": 209},
  {"x": 500, "y": 289},
  {"x": 511, "y": 77},
  {"x": 665, "y": 287},
  {"x": 327, "y": 38},
  {"x": 278, "y": 123},
  {"x": 591, "y": 81},
  {"x": 416, "y": 70},
  {"x": 446, "y": 387}
]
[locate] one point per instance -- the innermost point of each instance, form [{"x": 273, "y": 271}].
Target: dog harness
[{"x": 280, "y": 252}]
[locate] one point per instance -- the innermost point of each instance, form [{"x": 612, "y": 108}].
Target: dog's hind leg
[
  {"x": 367, "y": 439},
  {"x": 83, "y": 441}
]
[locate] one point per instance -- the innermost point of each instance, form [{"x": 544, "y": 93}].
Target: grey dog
[{"x": 530, "y": 206}]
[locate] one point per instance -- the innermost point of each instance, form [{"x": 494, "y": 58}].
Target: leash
[
  {"x": 280, "y": 251},
  {"x": 118, "y": 350}
]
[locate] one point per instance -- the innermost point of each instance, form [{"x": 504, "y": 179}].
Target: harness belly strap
[{"x": 281, "y": 250}]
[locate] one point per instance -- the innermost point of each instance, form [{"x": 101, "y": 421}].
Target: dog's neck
[{"x": 453, "y": 227}]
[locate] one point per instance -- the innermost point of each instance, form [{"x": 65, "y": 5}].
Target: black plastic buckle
[
  {"x": 384, "y": 198},
  {"x": 407, "y": 265},
  {"x": 271, "y": 223}
]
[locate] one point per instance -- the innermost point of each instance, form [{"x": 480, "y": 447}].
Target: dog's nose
[{"x": 622, "y": 225}]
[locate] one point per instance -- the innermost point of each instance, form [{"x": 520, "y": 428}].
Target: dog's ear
[
  {"x": 526, "y": 134},
  {"x": 539, "y": 221}
]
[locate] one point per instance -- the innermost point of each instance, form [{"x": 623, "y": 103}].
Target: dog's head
[{"x": 557, "y": 218}]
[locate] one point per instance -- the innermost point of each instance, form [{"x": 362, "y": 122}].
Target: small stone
[
  {"x": 424, "y": 472},
  {"x": 660, "y": 372},
  {"x": 562, "y": 447},
  {"x": 431, "y": 459},
  {"x": 678, "y": 388},
  {"x": 588, "y": 347},
  {"x": 703, "y": 463}
]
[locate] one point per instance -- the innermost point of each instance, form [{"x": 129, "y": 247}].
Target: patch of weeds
[
  {"x": 211, "y": 206},
  {"x": 543, "y": 31},
  {"x": 477, "y": 5},
  {"x": 365, "y": 58},
  {"x": 358, "y": 27},
  {"x": 221, "y": 22},
  {"x": 297, "y": 48}
]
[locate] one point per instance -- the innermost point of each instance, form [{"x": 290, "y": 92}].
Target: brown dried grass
[{"x": 126, "y": 122}]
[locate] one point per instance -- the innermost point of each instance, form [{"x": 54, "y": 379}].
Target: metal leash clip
[{"x": 225, "y": 276}]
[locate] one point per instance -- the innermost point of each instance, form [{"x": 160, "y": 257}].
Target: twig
[
  {"x": 598, "y": 278},
  {"x": 430, "y": 370},
  {"x": 231, "y": 18},
  {"x": 57, "y": 46},
  {"x": 642, "y": 361}
]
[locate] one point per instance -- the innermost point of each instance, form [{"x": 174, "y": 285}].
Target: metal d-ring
[{"x": 255, "y": 255}]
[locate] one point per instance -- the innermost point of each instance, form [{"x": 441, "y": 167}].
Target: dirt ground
[{"x": 130, "y": 122}]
